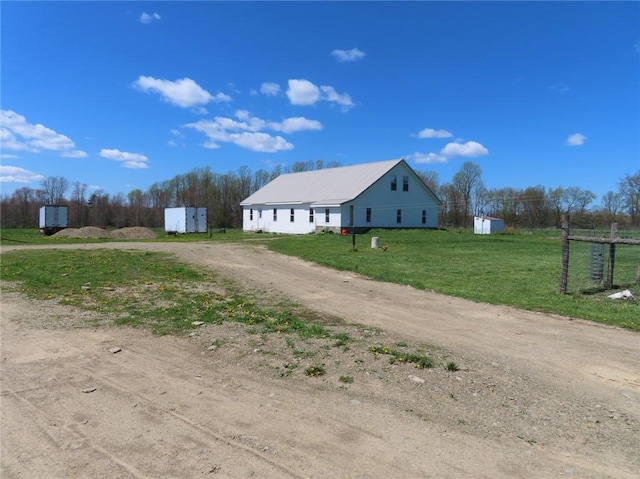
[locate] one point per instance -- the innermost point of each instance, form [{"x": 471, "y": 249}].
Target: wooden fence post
[
  {"x": 565, "y": 254},
  {"x": 612, "y": 255}
]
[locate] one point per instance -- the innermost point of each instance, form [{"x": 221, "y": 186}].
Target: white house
[
  {"x": 485, "y": 225},
  {"x": 385, "y": 194}
]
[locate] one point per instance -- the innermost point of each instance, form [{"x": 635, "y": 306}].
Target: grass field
[{"x": 520, "y": 270}]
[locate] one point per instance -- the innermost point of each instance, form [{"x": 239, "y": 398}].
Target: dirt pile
[
  {"x": 84, "y": 232},
  {"x": 132, "y": 233}
]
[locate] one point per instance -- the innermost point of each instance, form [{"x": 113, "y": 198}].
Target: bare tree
[
  {"x": 24, "y": 209},
  {"x": 504, "y": 203},
  {"x": 630, "y": 192},
  {"x": 54, "y": 187},
  {"x": 466, "y": 182},
  {"x": 612, "y": 202},
  {"x": 429, "y": 178},
  {"x": 533, "y": 204},
  {"x": 136, "y": 203},
  {"x": 78, "y": 203}
]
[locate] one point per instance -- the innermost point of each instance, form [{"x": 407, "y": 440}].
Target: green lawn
[{"x": 520, "y": 270}]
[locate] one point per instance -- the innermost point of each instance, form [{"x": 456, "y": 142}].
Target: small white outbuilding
[
  {"x": 185, "y": 220},
  {"x": 486, "y": 225}
]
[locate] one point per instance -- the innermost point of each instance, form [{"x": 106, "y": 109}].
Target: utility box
[
  {"x": 53, "y": 218},
  {"x": 185, "y": 220}
]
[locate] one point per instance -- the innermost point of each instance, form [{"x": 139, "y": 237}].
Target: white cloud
[
  {"x": 221, "y": 97},
  {"x": 243, "y": 115},
  {"x": 331, "y": 95},
  {"x": 184, "y": 93},
  {"x": 128, "y": 160},
  {"x": 298, "y": 123},
  {"x": 9, "y": 156},
  {"x": 469, "y": 149},
  {"x": 431, "y": 133},
  {"x": 15, "y": 174},
  {"x": 348, "y": 55},
  {"x": 19, "y": 135},
  {"x": 74, "y": 154},
  {"x": 427, "y": 158},
  {"x": 303, "y": 92},
  {"x": 270, "y": 89},
  {"x": 247, "y": 131},
  {"x": 261, "y": 142},
  {"x": 577, "y": 139},
  {"x": 241, "y": 133},
  {"x": 147, "y": 18}
]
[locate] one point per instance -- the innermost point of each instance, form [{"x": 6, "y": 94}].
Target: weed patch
[{"x": 419, "y": 360}]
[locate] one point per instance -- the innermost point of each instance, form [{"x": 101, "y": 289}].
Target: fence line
[{"x": 612, "y": 241}]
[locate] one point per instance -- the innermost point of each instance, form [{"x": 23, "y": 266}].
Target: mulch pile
[{"x": 135, "y": 232}]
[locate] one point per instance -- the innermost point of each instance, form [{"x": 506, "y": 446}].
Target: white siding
[
  {"x": 385, "y": 203},
  {"x": 283, "y": 223}
]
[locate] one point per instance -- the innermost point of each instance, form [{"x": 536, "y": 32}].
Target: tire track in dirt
[{"x": 314, "y": 430}]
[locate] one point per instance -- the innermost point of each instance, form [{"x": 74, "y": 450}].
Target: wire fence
[{"x": 589, "y": 268}]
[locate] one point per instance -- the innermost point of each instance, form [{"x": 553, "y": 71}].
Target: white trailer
[
  {"x": 185, "y": 220},
  {"x": 53, "y": 218}
]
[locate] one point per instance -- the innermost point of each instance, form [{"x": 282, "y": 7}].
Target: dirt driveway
[{"x": 537, "y": 396}]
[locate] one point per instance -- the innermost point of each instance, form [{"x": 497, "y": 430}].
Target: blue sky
[{"x": 120, "y": 95}]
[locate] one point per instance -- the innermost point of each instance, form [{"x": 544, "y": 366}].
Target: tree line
[{"x": 464, "y": 197}]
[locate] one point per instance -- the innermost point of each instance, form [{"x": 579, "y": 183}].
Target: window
[
  {"x": 260, "y": 214},
  {"x": 291, "y": 216},
  {"x": 399, "y": 216},
  {"x": 368, "y": 215},
  {"x": 275, "y": 214},
  {"x": 251, "y": 214},
  {"x": 326, "y": 215},
  {"x": 405, "y": 183},
  {"x": 310, "y": 215},
  {"x": 394, "y": 182},
  {"x": 424, "y": 217}
]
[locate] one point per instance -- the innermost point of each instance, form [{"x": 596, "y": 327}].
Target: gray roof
[{"x": 331, "y": 186}]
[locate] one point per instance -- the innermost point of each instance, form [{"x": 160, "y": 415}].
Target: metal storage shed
[{"x": 486, "y": 225}]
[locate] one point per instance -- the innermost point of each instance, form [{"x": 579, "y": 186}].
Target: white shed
[
  {"x": 385, "y": 194},
  {"x": 185, "y": 220},
  {"x": 486, "y": 225}
]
